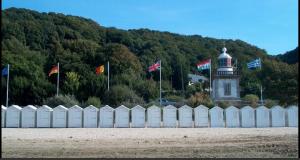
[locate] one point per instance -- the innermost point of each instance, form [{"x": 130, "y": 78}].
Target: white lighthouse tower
[{"x": 226, "y": 80}]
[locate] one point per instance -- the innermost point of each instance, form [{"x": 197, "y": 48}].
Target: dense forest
[
  {"x": 33, "y": 42},
  {"x": 290, "y": 57}
]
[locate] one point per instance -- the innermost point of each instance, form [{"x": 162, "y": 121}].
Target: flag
[
  {"x": 4, "y": 71},
  {"x": 53, "y": 70},
  {"x": 203, "y": 65},
  {"x": 154, "y": 67},
  {"x": 254, "y": 64},
  {"x": 100, "y": 69}
]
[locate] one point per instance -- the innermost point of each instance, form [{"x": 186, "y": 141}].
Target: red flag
[
  {"x": 154, "y": 67},
  {"x": 53, "y": 70}
]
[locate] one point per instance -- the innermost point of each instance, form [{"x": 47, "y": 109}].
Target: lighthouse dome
[{"x": 224, "y": 54}]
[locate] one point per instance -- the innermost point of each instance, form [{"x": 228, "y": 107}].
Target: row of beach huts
[{"x": 152, "y": 117}]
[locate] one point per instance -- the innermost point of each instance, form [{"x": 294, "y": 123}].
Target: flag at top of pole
[
  {"x": 203, "y": 65},
  {"x": 53, "y": 70},
  {"x": 5, "y": 72},
  {"x": 154, "y": 67}
]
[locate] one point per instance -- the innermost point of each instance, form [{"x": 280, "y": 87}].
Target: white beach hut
[
  {"x": 75, "y": 117},
  {"x": 90, "y": 117},
  {"x": 201, "y": 116},
  {"x": 122, "y": 117},
  {"x": 292, "y": 116},
  {"x": 3, "y": 114},
  {"x": 13, "y": 116},
  {"x": 247, "y": 117},
  {"x": 60, "y": 117},
  {"x": 262, "y": 116},
  {"x": 277, "y": 116},
  {"x": 106, "y": 117},
  {"x": 44, "y": 117},
  {"x": 216, "y": 117},
  {"x": 232, "y": 117},
  {"x": 185, "y": 116},
  {"x": 153, "y": 117},
  {"x": 28, "y": 117},
  {"x": 138, "y": 116},
  {"x": 170, "y": 116}
]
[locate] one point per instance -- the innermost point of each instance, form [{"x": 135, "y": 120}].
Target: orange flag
[
  {"x": 100, "y": 69},
  {"x": 53, "y": 70}
]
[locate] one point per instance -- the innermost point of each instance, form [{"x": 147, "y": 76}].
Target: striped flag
[
  {"x": 254, "y": 64},
  {"x": 203, "y": 65}
]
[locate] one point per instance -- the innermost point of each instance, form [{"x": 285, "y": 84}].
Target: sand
[{"x": 149, "y": 142}]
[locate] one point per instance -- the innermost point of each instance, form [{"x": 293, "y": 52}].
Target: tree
[{"x": 71, "y": 83}]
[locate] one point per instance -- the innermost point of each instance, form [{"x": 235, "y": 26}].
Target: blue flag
[
  {"x": 254, "y": 64},
  {"x": 4, "y": 71}
]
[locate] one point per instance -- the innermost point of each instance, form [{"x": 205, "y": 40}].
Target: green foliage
[
  {"x": 121, "y": 94},
  {"x": 270, "y": 103},
  {"x": 252, "y": 99},
  {"x": 65, "y": 100},
  {"x": 198, "y": 99},
  {"x": 223, "y": 104},
  {"x": 71, "y": 83},
  {"x": 95, "y": 101},
  {"x": 33, "y": 42}
]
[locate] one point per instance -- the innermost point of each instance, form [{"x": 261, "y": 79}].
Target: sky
[{"x": 268, "y": 24}]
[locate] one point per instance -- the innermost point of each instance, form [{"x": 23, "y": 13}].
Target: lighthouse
[{"x": 226, "y": 80}]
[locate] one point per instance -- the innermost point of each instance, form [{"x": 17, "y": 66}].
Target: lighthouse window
[
  {"x": 227, "y": 89},
  {"x": 223, "y": 62}
]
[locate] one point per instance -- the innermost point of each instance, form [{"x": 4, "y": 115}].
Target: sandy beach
[{"x": 149, "y": 142}]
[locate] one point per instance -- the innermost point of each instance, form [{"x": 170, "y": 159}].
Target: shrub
[
  {"x": 223, "y": 104},
  {"x": 270, "y": 103},
  {"x": 200, "y": 98},
  {"x": 252, "y": 99},
  {"x": 95, "y": 101},
  {"x": 120, "y": 94},
  {"x": 65, "y": 100}
]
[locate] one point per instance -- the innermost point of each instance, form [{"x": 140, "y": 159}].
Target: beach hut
[
  {"x": 106, "y": 115},
  {"x": 28, "y": 117},
  {"x": 137, "y": 117},
  {"x": 262, "y": 116},
  {"x": 277, "y": 116},
  {"x": 90, "y": 117},
  {"x": 185, "y": 116},
  {"x": 13, "y": 116},
  {"x": 247, "y": 117},
  {"x": 44, "y": 117},
  {"x": 60, "y": 117},
  {"x": 201, "y": 116},
  {"x": 216, "y": 117},
  {"x": 232, "y": 117},
  {"x": 170, "y": 116},
  {"x": 122, "y": 117},
  {"x": 75, "y": 117},
  {"x": 3, "y": 114},
  {"x": 153, "y": 117},
  {"x": 292, "y": 116}
]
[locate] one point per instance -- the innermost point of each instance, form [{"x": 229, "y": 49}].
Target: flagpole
[
  {"x": 160, "y": 83},
  {"x": 210, "y": 77},
  {"x": 57, "y": 88},
  {"x": 261, "y": 98},
  {"x": 108, "y": 75},
  {"x": 7, "y": 82}
]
